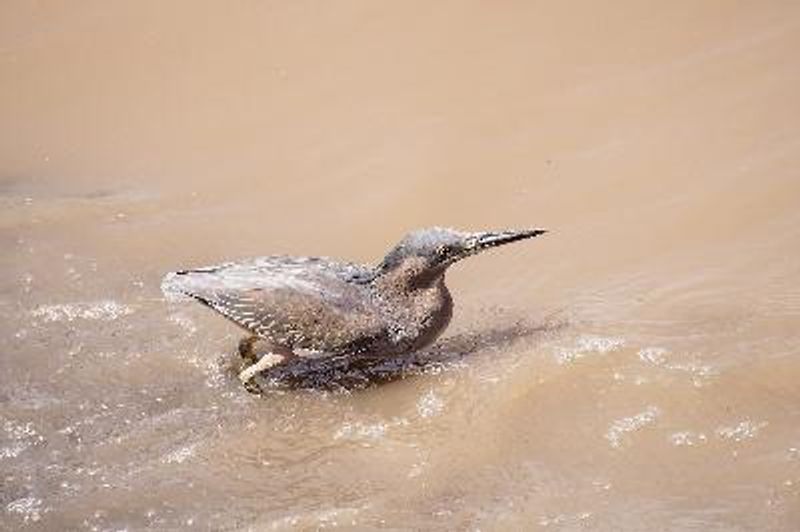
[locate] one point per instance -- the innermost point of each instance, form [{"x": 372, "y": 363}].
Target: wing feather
[{"x": 308, "y": 303}]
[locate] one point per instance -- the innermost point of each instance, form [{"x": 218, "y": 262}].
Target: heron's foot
[{"x": 264, "y": 363}]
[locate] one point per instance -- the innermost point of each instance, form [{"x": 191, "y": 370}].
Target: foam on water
[
  {"x": 687, "y": 438},
  {"x": 28, "y": 508},
  {"x": 658, "y": 356},
  {"x": 653, "y": 355},
  {"x": 184, "y": 322},
  {"x": 22, "y": 436},
  {"x": 180, "y": 455},
  {"x": 563, "y": 520},
  {"x": 667, "y": 401},
  {"x": 744, "y": 430},
  {"x": 98, "y": 310},
  {"x": 623, "y": 426},
  {"x": 429, "y": 404},
  {"x": 588, "y": 345},
  {"x": 361, "y": 431}
]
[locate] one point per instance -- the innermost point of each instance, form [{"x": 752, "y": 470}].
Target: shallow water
[{"x": 636, "y": 369}]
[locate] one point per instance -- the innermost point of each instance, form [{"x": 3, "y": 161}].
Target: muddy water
[{"x": 636, "y": 369}]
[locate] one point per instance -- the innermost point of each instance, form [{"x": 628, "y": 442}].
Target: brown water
[{"x": 636, "y": 369}]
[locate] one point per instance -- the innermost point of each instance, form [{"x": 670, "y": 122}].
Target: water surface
[{"x": 635, "y": 369}]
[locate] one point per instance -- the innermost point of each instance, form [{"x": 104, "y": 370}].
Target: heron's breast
[{"x": 435, "y": 316}]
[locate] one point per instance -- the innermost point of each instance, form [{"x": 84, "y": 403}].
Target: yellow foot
[{"x": 265, "y": 362}]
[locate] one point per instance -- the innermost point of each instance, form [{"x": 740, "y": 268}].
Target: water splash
[
  {"x": 586, "y": 345},
  {"x": 653, "y": 355},
  {"x": 744, "y": 430},
  {"x": 98, "y": 310},
  {"x": 28, "y": 508},
  {"x": 620, "y": 427},
  {"x": 22, "y": 436},
  {"x": 180, "y": 455},
  {"x": 360, "y": 431},
  {"x": 429, "y": 404},
  {"x": 687, "y": 438}
]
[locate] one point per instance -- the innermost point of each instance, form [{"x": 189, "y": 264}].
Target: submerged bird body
[
  {"x": 314, "y": 304},
  {"x": 322, "y": 306}
]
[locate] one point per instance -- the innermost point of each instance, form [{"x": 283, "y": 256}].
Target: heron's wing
[{"x": 308, "y": 303}]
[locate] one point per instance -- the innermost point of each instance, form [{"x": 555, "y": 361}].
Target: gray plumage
[{"x": 335, "y": 308}]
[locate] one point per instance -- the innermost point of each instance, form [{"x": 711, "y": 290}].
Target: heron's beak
[{"x": 481, "y": 241}]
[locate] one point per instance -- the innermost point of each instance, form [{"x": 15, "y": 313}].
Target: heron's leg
[{"x": 264, "y": 363}]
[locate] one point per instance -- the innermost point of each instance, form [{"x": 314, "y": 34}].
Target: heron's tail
[{"x": 174, "y": 288}]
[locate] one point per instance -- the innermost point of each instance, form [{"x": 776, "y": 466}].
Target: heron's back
[{"x": 307, "y": 303}]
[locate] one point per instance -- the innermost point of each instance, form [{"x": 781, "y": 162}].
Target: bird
[{"x": 316, "y": 306}]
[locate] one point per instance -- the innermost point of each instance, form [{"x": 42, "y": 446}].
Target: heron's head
[{"x": 424, "y": 255}]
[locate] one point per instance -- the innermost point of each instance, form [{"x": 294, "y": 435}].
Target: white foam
[
  {"x": 184, "y": 322},
  {"x": 23, "y": 436},
  {"x": 586, "y": 345},
  {"x": 700, "y": 373},
  {"x": 657, "y": 356},
  {"x": 687, "y": 438},
  {"x": 564, "y": 519},
  {"x": 653, "y": 355},
  {"x": 180, "y": 455},
  {"x": 744, "y": 430},
  {"x": 620, "y": 427},
  {"x": 13, "y": 450},
  {"x": 99, "y": 310},
  {"x": 372, "y": 431},
  {"x": 429, "y": 404},
  {"x": 29, "y": 508},
  {"x": 367, "y": 431}
]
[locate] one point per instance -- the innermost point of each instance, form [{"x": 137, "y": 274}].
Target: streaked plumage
[{"x": 335, "y": 308}]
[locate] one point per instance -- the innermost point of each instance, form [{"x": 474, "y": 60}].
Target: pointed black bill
[{"x": 493, "y": 239}]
